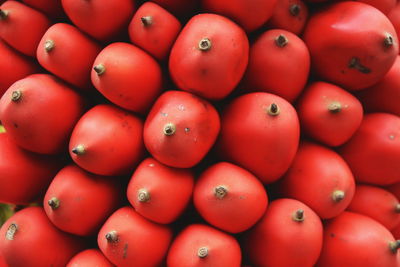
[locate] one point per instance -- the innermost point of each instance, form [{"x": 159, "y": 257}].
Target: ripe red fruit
[
  {"x": 328, "y": 113},
  {"x": 154, "y": 29},
  {"x": 260, "y": 132},
  {"x": 39, "y": 113},
  {"x": 225, "y": 192},
  {"x": 28, "y": 237},
  {"x": 127, "y": 76},
  {"x": 180, "y": 129},
  {"x": 202, "y": 245},
  {"x": 290, "y": 15},
  {"x": 51, "y": 8},
  {"x": 178, "y": 7},
  {"x": 158, "y": 192},
  {"x": 89, "y": 257},
  {"x": 394, "y": 17},
  {"x": 319, "y": 178},
  {"x": 373, "y": 152},
  {"x": 15, "y": 19},
  {"x": 353, "y": 239},
  {"x": 213, "y": 66},
  {"x": 128, "y": 239},
  {"x": 289, "y": 234},
  {"x": 385, "y": 6},
  {"x": 351, "y": 44},
  {"x": 107, "y": 141}
]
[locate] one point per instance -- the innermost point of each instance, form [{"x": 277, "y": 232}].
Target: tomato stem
[
  {"x": 298, "y": 215},
  {"x": 205, "y": 44},
  {"x": 79, "y": 150},
  {"x": 273, "y": 110},
  {"x": 295, "y": 10},
  {"x": 3, "y": 14},
  {"x": 169, "y": 129},
  {"x": 220, "y": 191},
  {"x": 397, "y": 208},
  {"x": 388, "y": 41},
  {"x": 338, "y": 195},
  {"x": 147, "y": 20},
  {"x": 99, "y": 69},
  {"x": 49, "y": 45},
  {"x": 11, "y": 231},
  {"x": 394, "y": 246},
  {"x": 335, "y": 107},
  {"x": 202, "y": 252},
  {"x": 54, "y": 203},
  {"x": 143, "y": 195},
  {"x": 281, "y": 40},
  {"x": 112, "y": 236},
  {"x": 16, "y": 95}
]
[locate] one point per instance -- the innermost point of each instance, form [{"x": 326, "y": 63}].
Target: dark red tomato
[
  {"x": 250, "y": 14},
  {"x": 28, "y": 236},
  {"x": 158, "y": 192},
  {"x": 127, "y": 76},
  {"x": 154, "y": 30},
  {"x": 373, "y": 152},
  {"x": 319, "y": 178},
  {"x": 22, "y": 27},
  {"x": 3, "y": 262},
  {"x": 377, "y": 203},
  {"x": 89, "y": 257},
  {"x": 394, "y": 17},
  {"x": 216, "y": 54},
  {"x": 201, "y": 245},
  {"x": 328, "y": 113},
  {"x": 275, "y": 56},
  {"x": 39, "y": 113},
  {"x": 51, "y": 8},
  {"x": 385, "y": 6},
  {"x": 68, "y": 53},
  {"x": 297, "y": 243},
  {"x": 260, "y": 132},
  {"x": 128, "y": 239},
  {"x": 107, "y": 141},
  {"x": 290, "y": 15},
  {"x": 24, "y": 176},
  {"x": 396, "y": 232},
  {"x": 353, "y": 239},
  {"x": 178, "y": 7},
  {"x": 229, "y": 197},
  {"x": 395, "y": 189},
  {"x": 352, "y": 44},
  {"x": 101, "y": 19},
  {"x": 180, "y": 129}
]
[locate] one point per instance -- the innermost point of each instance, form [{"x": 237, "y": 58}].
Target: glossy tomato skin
[
  {"x": 101, "y": 19},
  {"x": 275, "y": 56},
  {"x": 43, "y": 113},
  {"x": 394, "y": 17},
  {"x": 107, "y": 141},
  {"x": 180, "y": 129},
  {"x": 13, "y": 28},
  {"x": 290, "y": 15},
  {"x": 158, "y": 192},
  {"x": 344, "y": 54},
  {"x": 385, "y": 6},
  {"x": 256, "y": 138},
  {"x": 154, "y": 29},
  {"x": 68, "y": 53},
  {"x": 297, "y": 243},
  {"x": 373, "y": 152},
  {"x": 215, "y": 50},
  {"x": 128, "y": 77},
  {"x": 178, "y": 7},
  {"x": 89, "y": 257},
  {"x": 221, "y": 249},
  {"x": 31, "y": 226},
  {"x": 225, "y": 192},
  {"x": 138, "y": 241},
  {"x": 319, "y": 178},
  {"x": 328, "y": 113},
  {"x": 352, "y": 239},
  {"x": 51, "y": 8}
]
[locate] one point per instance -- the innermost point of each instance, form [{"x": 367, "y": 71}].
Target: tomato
[
  {"x": 201, "y": 245},
  {"x": 107, "y": 141},
  {"x": 225, "y": 192},
  {"x": 260, "y": 132},
  {"x": 158, "y": 192},
  {"x": 180, "y": 129},
  {"x": 178, "y": 7},
  {"x": 128, "y": 239},
  {"x": 51, "y": 8},
  {"x": 289, "y": 234},
  {"x": 394, "y": 17},
  {"x": 216, "y": 54},
  {"x": 89, "y": 257},
  {"x": 290, "y": 15},
  {"x": 39, "y": 113},
  {"x": 385, "y": 6}
]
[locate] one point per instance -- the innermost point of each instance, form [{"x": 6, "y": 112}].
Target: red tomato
[
  {"x": 107, "y": 141},
  {"x": 321, "y": 179},
  {"x": 22, "y": 27},
  {"x": 275, "y": 56},
  {"x": 351, "y": 44},
  {"x": 180, "y": 129},
  {"x": 289, "y": 234},
  {"x": 353, "y": 239},
  {"x": 395, "y": 189},
  {"x": 373, "y": 152},
  {"x": 101, "y": 19},
  {"x": 89, "y": 257},
  {"x": 396, "y": 232},
  {"x": 225, "y": 192},
  {"x": 290, "y": 15},
  {"x": 201, "y": 245},
  {"x": 128, "y": 239},
  {"x": 28, "y": 237},
  {"x": 178, "y": 7},
  {"x": 127, "y": 76},
  {"x": 216, "y": 53},
  {"x": 394, "y": 17},
  {"x": 68, "y": 53},
  {"x": 328, "y": 113},
  {"x": 385, "y": 6},
  {"x": 39, "y": 113},
  {"x": 158, "y": 192},
  {"x": 154, "y": 30},
  {"x": 51, "y": 8},
  {"x": 260, "y": 132}
]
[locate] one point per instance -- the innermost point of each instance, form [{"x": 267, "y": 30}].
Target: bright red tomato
[{"x": 89, "y": 257}]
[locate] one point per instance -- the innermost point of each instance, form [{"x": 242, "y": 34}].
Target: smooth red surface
[
  {"x": 179, "y": 7},
  {"x": 51, "y": 8},
  {"x": 283, "y": 18},
  {"x": 385, "y": 6},
  {"x": 394, "y": 17},
  {"x": 89, "y": 257}
]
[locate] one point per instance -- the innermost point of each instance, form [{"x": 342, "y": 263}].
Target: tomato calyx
[
  {"x": 49, "y": 45},
  {"x": 4, "y": 14},
  {"x": 147, "y": 21},
  {"x": 338, "y": 195},
  {"x": 220, "y": 191},
  {"x": 99, "y": 69},
  {"x": 11, "y": 231},
  {"x": 273, "y": 110},
  {"x": 79, "y": 150},
  {"x": 169, "y": 129},
  {"x": 16, "y": 95},
  {"x": 397, "y": 208},
  {"x": 205, "y": 44},
  {"x": 388, "y": 41},
  {"x": 112, "y": 237},
  {"x": 294, "y": 10},
  {"x": 394, "y": 246},
  {"x": 143, "y": 195},
  {"x": 281, "y": 40},
  {"x": 335, "y": 107},
  {"x": 298, "y": 215},
  {"x": 54, "y": 203},
  {"x": 202, "y": 252}
]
